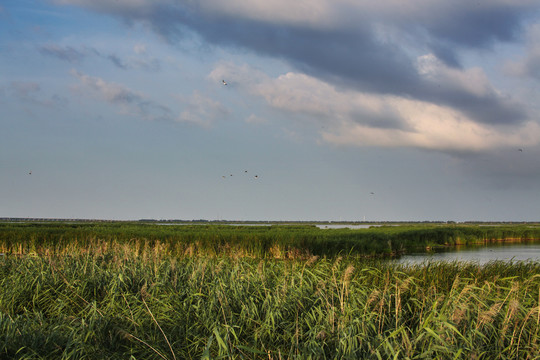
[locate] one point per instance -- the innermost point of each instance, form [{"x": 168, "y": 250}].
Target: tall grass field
[
  {"x": 277, "y": 241},
  {"x": 131, "y": 291}
]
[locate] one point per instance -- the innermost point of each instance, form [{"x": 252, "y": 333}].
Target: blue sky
[{"x": 333, "y": 109}]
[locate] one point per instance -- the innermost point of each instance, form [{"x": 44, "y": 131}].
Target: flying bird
[
  {"x": 520, "y": 150},
  {"x": 30, "y": 173},
  {"x": 223, "y": 82}
]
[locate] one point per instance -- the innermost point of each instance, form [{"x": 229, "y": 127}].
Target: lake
[{"x": 480, "y": 254}]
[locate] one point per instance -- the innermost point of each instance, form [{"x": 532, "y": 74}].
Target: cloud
[
  {"x": 195, "y": 109},
  {"x": 457, "y": 22},
  {"x": 433, "y": 127},
  {"x": 367, "y": 46},
  {"x": 468, "y": 90},
  {"x": 358, "y": 118},
  {"x": 117, "y": 61},
  {"x": 129, "y": 101},
  {"x": 24, "y": 89},
  {"x": 32, "y": 92},
  {"x": 385, "y": 73},
  {"x": 201, "y": 110},
  {"x": 75, "y": 55},
  {"x": 66, "y": 53},
  {"x": 254, "y": 119},
  {"x": 529, "y": 65},
  {"x": 139, "y": 49},
  {"x": 146, "y": 64},
  {"x": 453, "y": 20}
]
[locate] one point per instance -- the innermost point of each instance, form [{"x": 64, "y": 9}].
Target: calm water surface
[
  {"x": 345, "y": 226},
  {"x": 479, "y": 254}
]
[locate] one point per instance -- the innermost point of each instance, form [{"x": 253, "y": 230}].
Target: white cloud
[
  {"x": 201, "y": 110},
  {"x": 472, "y": 81},
  {"x": 129, "y": 101},
  {"x": 529, "y": 65},
  {"x": 111, "y": 92},
  {"x": 196, "y": 109},
  {"x": 254, "y": 119},
  {"x": 139, "y": 49},
  {"x": 434, "y": 127},
  {"x": 365, "y": 119}
]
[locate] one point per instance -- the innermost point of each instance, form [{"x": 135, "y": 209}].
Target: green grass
[{"x": 119, "y": 305}]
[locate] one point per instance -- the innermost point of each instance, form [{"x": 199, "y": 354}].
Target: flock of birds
[
  {"x": 223, "y": 82},
  {"x": 245, "y": 172},
  {"x": 257, "y": 176}
]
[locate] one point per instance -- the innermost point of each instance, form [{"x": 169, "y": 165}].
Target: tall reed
[
  {"x": 116, "y": 303},
  {"x": 290, "y": 241}
]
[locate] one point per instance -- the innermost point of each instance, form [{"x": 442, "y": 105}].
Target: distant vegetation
[
  {"x": 140, "y": 291},
  {"x": 275, "y": 241}
]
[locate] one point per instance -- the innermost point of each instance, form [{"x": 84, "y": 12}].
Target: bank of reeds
[
  {"x": 117, "y": 304},
  {"x": 254, "y": 241}
]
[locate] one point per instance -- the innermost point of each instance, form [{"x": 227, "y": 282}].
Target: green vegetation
[
  {"x": 132, "y": 291},
  {"x": 116, "y": 305},
  {"x": 277, "y": 241}
]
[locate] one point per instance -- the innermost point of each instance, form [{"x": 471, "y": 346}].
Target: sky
[{"x": 351, "y": 110}]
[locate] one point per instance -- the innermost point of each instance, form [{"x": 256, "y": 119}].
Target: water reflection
[
  {"x": 479, "y": 254},
  {"x": 345, "y": 226}
]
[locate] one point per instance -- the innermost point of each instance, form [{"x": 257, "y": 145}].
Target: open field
[{"x": 126, "y": 291}]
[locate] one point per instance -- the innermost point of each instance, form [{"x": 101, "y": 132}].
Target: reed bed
[
  {"x": 138, "y": 291},
  {"x": 277, "y": 241},
  {"x": 123, "y": 303}
]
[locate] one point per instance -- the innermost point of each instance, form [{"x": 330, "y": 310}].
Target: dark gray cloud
[
  {"x": 350, "y": 50},
  {"x": 445, "y": 53},
  {"x": 77, "y": 55},
  {"x": 357, "y": 59},
  {"x": 66, "y": 53},
  {"x": 487, "y": 108},
  {"x": 384, "y": 120},
  {"x": 480, "y": 23},
  {"x": 117, "y": 62}
]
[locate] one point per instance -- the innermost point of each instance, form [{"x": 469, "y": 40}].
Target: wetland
[{"x": 142, "y": 291}]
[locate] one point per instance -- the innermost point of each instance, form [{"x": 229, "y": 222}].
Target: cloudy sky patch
[{"x": 129, "y": 101}]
